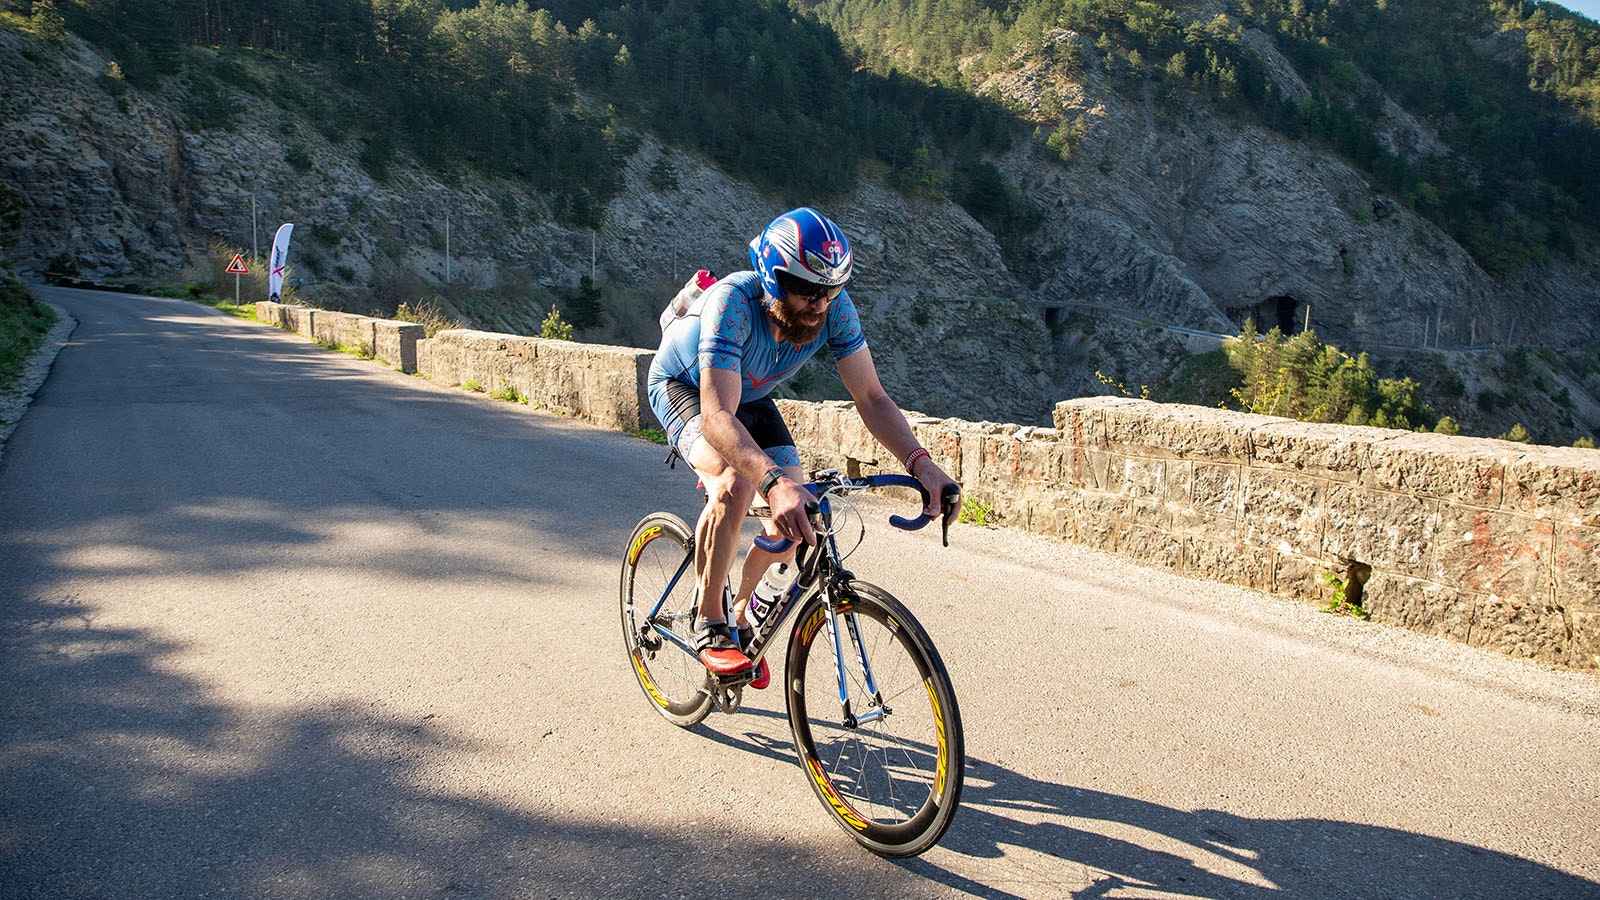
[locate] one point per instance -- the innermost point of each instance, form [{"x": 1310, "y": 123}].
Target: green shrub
[
  {"x": 1518, "y": 434},
  {"x": 554, "y": 328},
  {"x": 1303, "y": 378},
  {"x": 297, "y": 157}
]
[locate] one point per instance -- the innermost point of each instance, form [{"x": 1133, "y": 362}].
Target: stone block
[
  {"x": 1283, "y": 511},
  {"x": 1560, "y": 482},
  {"x": 1577, "y": 567},
  {"x": 1421, "y": 605},
  {"x": 1174, "y": 430},
  {"x": 1494, "y": 552},
  {"x": 425, "y": 363},
  {"x": 1454, "y": 469},
  {"x": 593, "y": 382},
  {"x": 1332, "y": 452},
  {"x": 1155, "y": 546},
  {"x": 1394, "y": 532},
  {"x": 1097, "y": 519},
  {"x": 298, "y": 319},
  {"x": 1081, "y": 422},
  {"x": 1232, "y": 561},
  {"x": 1216, "y": 501},
  {"x": 1528, "y": 627},
  {"x": 1300, "y": 578},
  {"x": 396, "y": 343},
  {"x": 1583, "y": 651},
  {"x": 336, "y": 329}
]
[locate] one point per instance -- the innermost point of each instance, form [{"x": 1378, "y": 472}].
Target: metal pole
[
  {"x": 255, "y": 248},
  {"x": 235, "y": 290},
  {"x": 446, "y": 248}
]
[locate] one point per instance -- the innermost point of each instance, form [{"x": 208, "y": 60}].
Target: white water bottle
[{"x": 770, "y": 591}]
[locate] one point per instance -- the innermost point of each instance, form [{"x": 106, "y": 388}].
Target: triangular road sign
[{"x": 237, "y": 267}]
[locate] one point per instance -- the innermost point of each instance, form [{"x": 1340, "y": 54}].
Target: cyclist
[{"x": 711, "y": 384}]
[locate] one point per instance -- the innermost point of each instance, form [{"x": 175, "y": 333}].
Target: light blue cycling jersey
[{"x": 727, "y": 327}]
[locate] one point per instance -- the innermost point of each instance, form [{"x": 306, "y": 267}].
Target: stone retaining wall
[
  {"x": 1491, "y": 543},
  {"x": 383, "y": 339},
  {"x": 593, "y": 382}
]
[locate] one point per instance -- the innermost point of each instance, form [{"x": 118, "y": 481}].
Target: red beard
[{"x": 790, "y": 328}]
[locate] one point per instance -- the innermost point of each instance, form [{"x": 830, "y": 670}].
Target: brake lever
[{"x": 949, "y": 507}]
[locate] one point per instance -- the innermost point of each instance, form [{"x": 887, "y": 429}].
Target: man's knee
[{"x": 728, "y": 488}]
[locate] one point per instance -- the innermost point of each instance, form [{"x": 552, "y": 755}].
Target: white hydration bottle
[{"x": 770, "y": 592}]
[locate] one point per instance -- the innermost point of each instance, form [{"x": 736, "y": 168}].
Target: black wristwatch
[{"x": 768, "y": 480}]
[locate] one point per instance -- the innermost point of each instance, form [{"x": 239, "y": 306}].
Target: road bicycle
[{"x": 870, "y": 705}]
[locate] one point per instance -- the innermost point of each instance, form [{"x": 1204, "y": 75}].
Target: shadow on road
[
  {"x": 1123, "y": 846},
  {"x": 1131, "y": 847},
  {"x": 122, "y": 779}
]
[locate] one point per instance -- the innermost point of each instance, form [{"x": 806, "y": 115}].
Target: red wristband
[{"x": 911, "y": 460}]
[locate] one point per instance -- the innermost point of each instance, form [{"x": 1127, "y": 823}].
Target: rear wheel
[
  {"x": 889, "y": 768},
  {"x": 658, "y": 603}
]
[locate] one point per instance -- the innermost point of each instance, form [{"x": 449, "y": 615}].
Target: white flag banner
[{"x": 280, "y": 256}]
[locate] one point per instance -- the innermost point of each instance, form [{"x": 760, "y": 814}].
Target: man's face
[{"x": 801, "y": 317}]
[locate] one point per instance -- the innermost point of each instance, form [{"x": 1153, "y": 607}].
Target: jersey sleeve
[
  {"x": 725, "y": 323},
  {"x": 844, "y": 327}
]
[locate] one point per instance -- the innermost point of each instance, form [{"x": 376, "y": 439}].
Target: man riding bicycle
[{"x": 711, "y": 384}]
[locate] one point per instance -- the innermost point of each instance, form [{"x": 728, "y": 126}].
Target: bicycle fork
[{"x": 837, "y": 612}]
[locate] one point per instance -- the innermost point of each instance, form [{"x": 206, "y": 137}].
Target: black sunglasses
[{"x": 819, "y": 292}]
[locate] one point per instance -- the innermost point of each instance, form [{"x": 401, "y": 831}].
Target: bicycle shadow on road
[{"x": 1117, "y": 844}]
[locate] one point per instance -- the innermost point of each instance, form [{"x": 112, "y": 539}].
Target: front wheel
[
  {"x": 658, "y": 605},
  {"x": 888, "y": 764}
]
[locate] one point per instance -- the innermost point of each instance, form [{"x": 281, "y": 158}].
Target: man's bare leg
[
  {"x": 756, "y": 562},
  {"x": 728, "y": 496}
]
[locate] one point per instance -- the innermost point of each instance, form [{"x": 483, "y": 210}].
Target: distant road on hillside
[{"x": 276, "y": 622}]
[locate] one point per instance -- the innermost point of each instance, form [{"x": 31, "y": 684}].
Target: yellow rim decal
[
  {"x": 938, "y": 720},
  {"x": 644, "y": 679},
  {"x": 834, "y": 800},
  {"x": 644, "y": 537},
  {"x": 809, "y": 630}
]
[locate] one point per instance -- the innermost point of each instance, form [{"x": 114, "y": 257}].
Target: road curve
[{"x": 280, "y": 623}]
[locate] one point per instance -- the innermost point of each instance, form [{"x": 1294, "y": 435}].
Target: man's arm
[
  {"x": 888, "y": 424},
  {"x": 720, "y": 390}
]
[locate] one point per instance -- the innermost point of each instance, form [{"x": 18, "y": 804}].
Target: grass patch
[
  {"x": 976, "y": 512},
  {"x": 24, "y": 322},
  {"x": 653, "y": 435},
  {"x": 359, "y": 351},
  {"x": 197, "y": 293}
]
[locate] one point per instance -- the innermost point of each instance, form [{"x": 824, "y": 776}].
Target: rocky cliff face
[
  {"x": 1187, "y": 215},
  {"x": 1173, "y": 213}
]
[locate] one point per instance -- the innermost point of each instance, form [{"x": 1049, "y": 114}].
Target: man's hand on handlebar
[
  {"x": 944, "y": 495},
  {"x": 789, "y": 500}
]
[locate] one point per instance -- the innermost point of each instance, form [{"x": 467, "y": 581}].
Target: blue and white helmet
[{"x": 804, "y": 243}]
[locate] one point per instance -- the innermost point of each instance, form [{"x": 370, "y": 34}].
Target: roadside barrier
[{"x": 1491, "y": 543}]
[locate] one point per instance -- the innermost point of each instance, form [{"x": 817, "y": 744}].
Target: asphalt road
[{"x": 280, "y": 623}]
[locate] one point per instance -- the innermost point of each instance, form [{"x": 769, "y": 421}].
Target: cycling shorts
[{"x": 677, "y": 405}]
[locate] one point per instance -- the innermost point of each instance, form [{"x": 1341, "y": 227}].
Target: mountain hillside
[{"x": 1044, "y": 194}]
